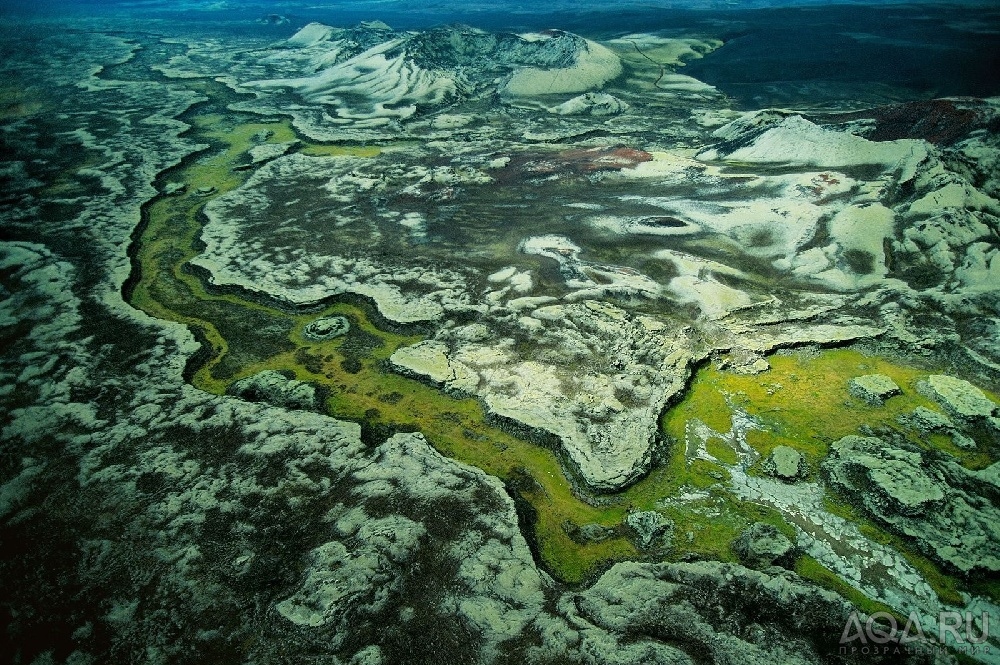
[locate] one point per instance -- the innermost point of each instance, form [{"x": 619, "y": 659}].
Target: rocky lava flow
[
  {"x": 574, "y": 229},
  {"x": 779, "y": 232}
]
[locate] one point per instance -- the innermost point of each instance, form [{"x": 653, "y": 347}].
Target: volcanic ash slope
[{"x": 405, "y": 72}]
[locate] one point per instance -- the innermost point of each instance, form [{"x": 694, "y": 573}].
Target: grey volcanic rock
[
  {"x": 338, "y": 234},
  {"x": 897, "y": 484},
  {"x": 652, "y": 531},
  {"x": 372, "y": 566},
  {"x": 927, "y": 420},
  {"x": 605, "y": 417},
  {"x": 761, "y": 545},
  {"x": 949, "y": 510},
  {"x": 962, "y": 400},
  {"x": 873, "y": 388},
  {"x": 339, "y": 577},
  {"x": 277, "y": 389},
  {"x": 785, "y": 463},
  {"x": 690, "y": 603}
]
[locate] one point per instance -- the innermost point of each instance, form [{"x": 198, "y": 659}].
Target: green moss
[
  {"x": 703, "y": 401},
  {"x": 721, "y": 450},
  {"x": 165, "y": 290},
  {"x": 802, "y": 402},
  {"x": 947, "y": 588}
]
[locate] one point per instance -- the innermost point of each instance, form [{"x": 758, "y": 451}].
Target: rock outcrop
[
  {"x": 665, "y": 606},
  {"x": 963, "y": 401},
  {"x": 950, "y": 511},
  {"x": 929, "y": 421},
  {"x": 429, "y": 360},
  {"x": 785, "y": 463},
  {"x": 650, "y": 529},
  {"x": 277, "y": 389},
  {"x": 596, "y": 104},
  {"x": 762, "y": 545},
  {"x": 325, "y": 328},
  {"x": 873, "y": 388}
]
